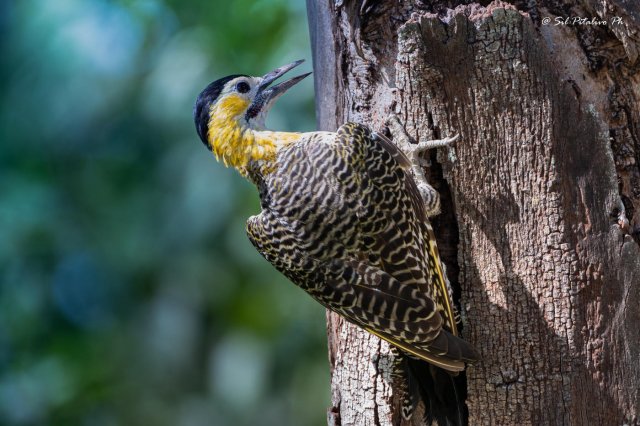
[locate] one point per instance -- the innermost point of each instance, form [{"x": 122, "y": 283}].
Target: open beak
[{"x": 267, "y": 94}]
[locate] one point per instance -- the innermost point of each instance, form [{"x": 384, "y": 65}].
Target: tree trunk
[{"x": 540, "y": 228}]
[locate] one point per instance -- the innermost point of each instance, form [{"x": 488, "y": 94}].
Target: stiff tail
[{"x": 440, "y": 391}]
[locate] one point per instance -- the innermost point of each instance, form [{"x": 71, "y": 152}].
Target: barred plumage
[
  {"x": 343, "y": 220},
  {"x": 342, "y": 217}
]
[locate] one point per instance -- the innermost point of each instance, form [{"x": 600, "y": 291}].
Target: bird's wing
[
  {"x": 364, "y": 295},
  {"x": 408, "y": 239}
]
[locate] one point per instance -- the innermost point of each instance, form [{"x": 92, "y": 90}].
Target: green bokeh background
[{"x": 129, "y": 293}]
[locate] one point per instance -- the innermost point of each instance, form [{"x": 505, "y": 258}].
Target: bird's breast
[{"x": 306, "y": 193}]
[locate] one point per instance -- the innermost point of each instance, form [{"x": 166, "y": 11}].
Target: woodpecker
[{"x": 344, "y": 215}]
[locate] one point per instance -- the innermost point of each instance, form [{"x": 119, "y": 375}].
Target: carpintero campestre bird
[{"x": 345, "y": 217}]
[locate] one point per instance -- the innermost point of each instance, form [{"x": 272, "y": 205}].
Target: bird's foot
[
  {"x": 413, "y": 150},
  {"x": 408, "y": 145},
  {"x": 620, "y": 214}
]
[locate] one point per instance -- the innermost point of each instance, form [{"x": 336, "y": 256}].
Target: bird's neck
[{"x": 239, "y": 146}]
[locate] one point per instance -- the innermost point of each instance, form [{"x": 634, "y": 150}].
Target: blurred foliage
[{"x": 129, "y": 293}]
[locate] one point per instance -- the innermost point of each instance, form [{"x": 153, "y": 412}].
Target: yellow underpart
[{"x": 234, "y": 143}]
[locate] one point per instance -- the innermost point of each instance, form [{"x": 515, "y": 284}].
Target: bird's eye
[{"x": 243, "y": 87}]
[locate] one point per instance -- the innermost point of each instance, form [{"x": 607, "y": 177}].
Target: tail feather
[
  {"x": 442, "y": 397},
  {"x": 453, "y": 347}
]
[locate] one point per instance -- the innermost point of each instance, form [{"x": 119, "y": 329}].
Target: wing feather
[{"x": 344, "y": 220}]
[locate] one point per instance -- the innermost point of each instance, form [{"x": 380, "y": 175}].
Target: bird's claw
[
  {"x": 621, "y": 216},
  {"x": 436, "y": 143},
  {"x": 412, "y": 150},
  {"x": 407, "y": 144}
]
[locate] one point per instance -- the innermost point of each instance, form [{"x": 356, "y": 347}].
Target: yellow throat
[{"x": 236, "y": 144}]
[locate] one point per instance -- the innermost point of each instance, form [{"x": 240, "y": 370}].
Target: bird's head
[{"x": 230, "y": 112}]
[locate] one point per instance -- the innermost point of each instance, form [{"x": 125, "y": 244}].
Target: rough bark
[{"x": 546, "y": 268}]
